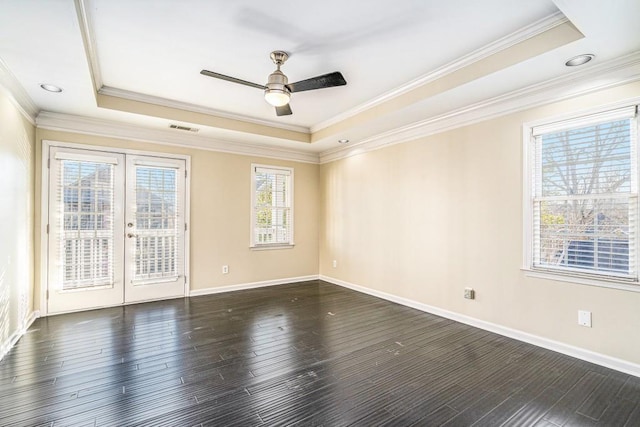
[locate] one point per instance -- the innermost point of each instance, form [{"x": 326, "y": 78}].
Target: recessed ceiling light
[
  {"x": 579, "y": 60},
  {"x": 50, "y": 87},
  {"x": 343, "y": 141}
]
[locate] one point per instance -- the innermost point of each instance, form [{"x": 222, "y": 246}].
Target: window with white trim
[
  {"x": 271, "y": 206},
  {"x": 583, "y": 196}
]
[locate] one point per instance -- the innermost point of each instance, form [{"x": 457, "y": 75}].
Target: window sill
[
  {"x": 612, "y": 283},
  {"x": 271, "y": 247}
]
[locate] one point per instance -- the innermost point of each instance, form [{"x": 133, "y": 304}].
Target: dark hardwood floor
[{"x": 305, "y": 354}]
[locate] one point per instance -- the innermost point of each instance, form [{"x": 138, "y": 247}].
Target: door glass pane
[
  {"x": 86, "y": 193},
  {"x": 156, "y": 247}
]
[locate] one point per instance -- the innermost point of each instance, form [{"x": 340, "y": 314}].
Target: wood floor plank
[
  {"x": 301, "y": 354},
  {"x": 634, "y": 418},
  {"x": 603, "y": 396},
  {"x": 570, "y": 402}
]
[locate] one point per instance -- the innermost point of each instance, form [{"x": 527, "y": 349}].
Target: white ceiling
[{"x": 154, "y": 50}]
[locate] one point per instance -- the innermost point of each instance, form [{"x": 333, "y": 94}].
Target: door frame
[{"x": 44, "y": 208}]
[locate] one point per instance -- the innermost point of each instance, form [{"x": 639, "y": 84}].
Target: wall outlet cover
[{"x": 584, "y": 318}]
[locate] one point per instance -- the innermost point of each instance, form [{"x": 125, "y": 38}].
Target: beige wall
[
  {"x": 220, "y": 215},
  {"x": 425, "y": 219},
  {"x": 17, "y": 155}
]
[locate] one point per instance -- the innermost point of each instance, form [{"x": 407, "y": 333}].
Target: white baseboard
[
  {"x": 6, "y": 346},
  {"x": 577, "y": 352},
  {"x": 253, "y": 285}
]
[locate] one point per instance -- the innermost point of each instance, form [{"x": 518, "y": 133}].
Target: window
[
  {"x": 272, "y": 206},
  {"x": 582, "y": 180}
]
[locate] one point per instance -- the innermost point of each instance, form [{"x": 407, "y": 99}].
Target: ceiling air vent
[{"x": 186, "y": 128}]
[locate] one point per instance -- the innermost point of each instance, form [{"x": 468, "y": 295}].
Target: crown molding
[
  {"x": 164, "y": 102},
  {"x": 525, "y": 33},
  {"x": 16, "y": 94},
  {"x": 619, "y": 71},
  {"x": 112, "y": 129},
  {"x": 88, "y": 38}
]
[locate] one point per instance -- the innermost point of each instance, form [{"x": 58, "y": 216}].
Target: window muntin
[
  {"x": 584, "y": 196},
  {"x": 272, "y": 206}
]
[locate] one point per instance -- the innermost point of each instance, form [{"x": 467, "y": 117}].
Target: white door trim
[{"x": 44, "y": 207}]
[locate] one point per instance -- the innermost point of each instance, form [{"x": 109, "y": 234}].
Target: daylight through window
[
  {"x": 584, "y": 190},
  {"x": 272, "y": 213}
]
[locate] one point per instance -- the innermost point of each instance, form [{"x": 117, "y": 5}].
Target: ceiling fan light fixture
[
  {"x": 277, "y": 97},
  {"x": 276, "y": 92}
]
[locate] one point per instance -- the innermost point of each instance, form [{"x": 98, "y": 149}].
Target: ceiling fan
[{"x": 278, "y": 90}]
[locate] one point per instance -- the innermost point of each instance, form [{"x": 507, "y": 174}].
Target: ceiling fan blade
[
  {"x": 231, "y": 79},
  {"x": 285, "y": 110},
  {"x": 319, "y": 82}
]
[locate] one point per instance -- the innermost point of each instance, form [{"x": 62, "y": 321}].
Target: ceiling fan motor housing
[
  {"x": 277, "y": 92},
  {"x": 277, "y": 81}
]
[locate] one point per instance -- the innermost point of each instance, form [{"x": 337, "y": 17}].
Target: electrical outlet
[
  {"x": 584, "y": 318},
  {"x": 469, "y": 293},
  {"x": 225, "y": 269},
  {"x": 335, "y": 263}
]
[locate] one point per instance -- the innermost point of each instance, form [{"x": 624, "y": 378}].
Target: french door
[{"x": 116, "y": 229}]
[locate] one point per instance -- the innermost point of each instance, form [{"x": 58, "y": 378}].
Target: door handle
[{"x": 131, "y": 235}]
